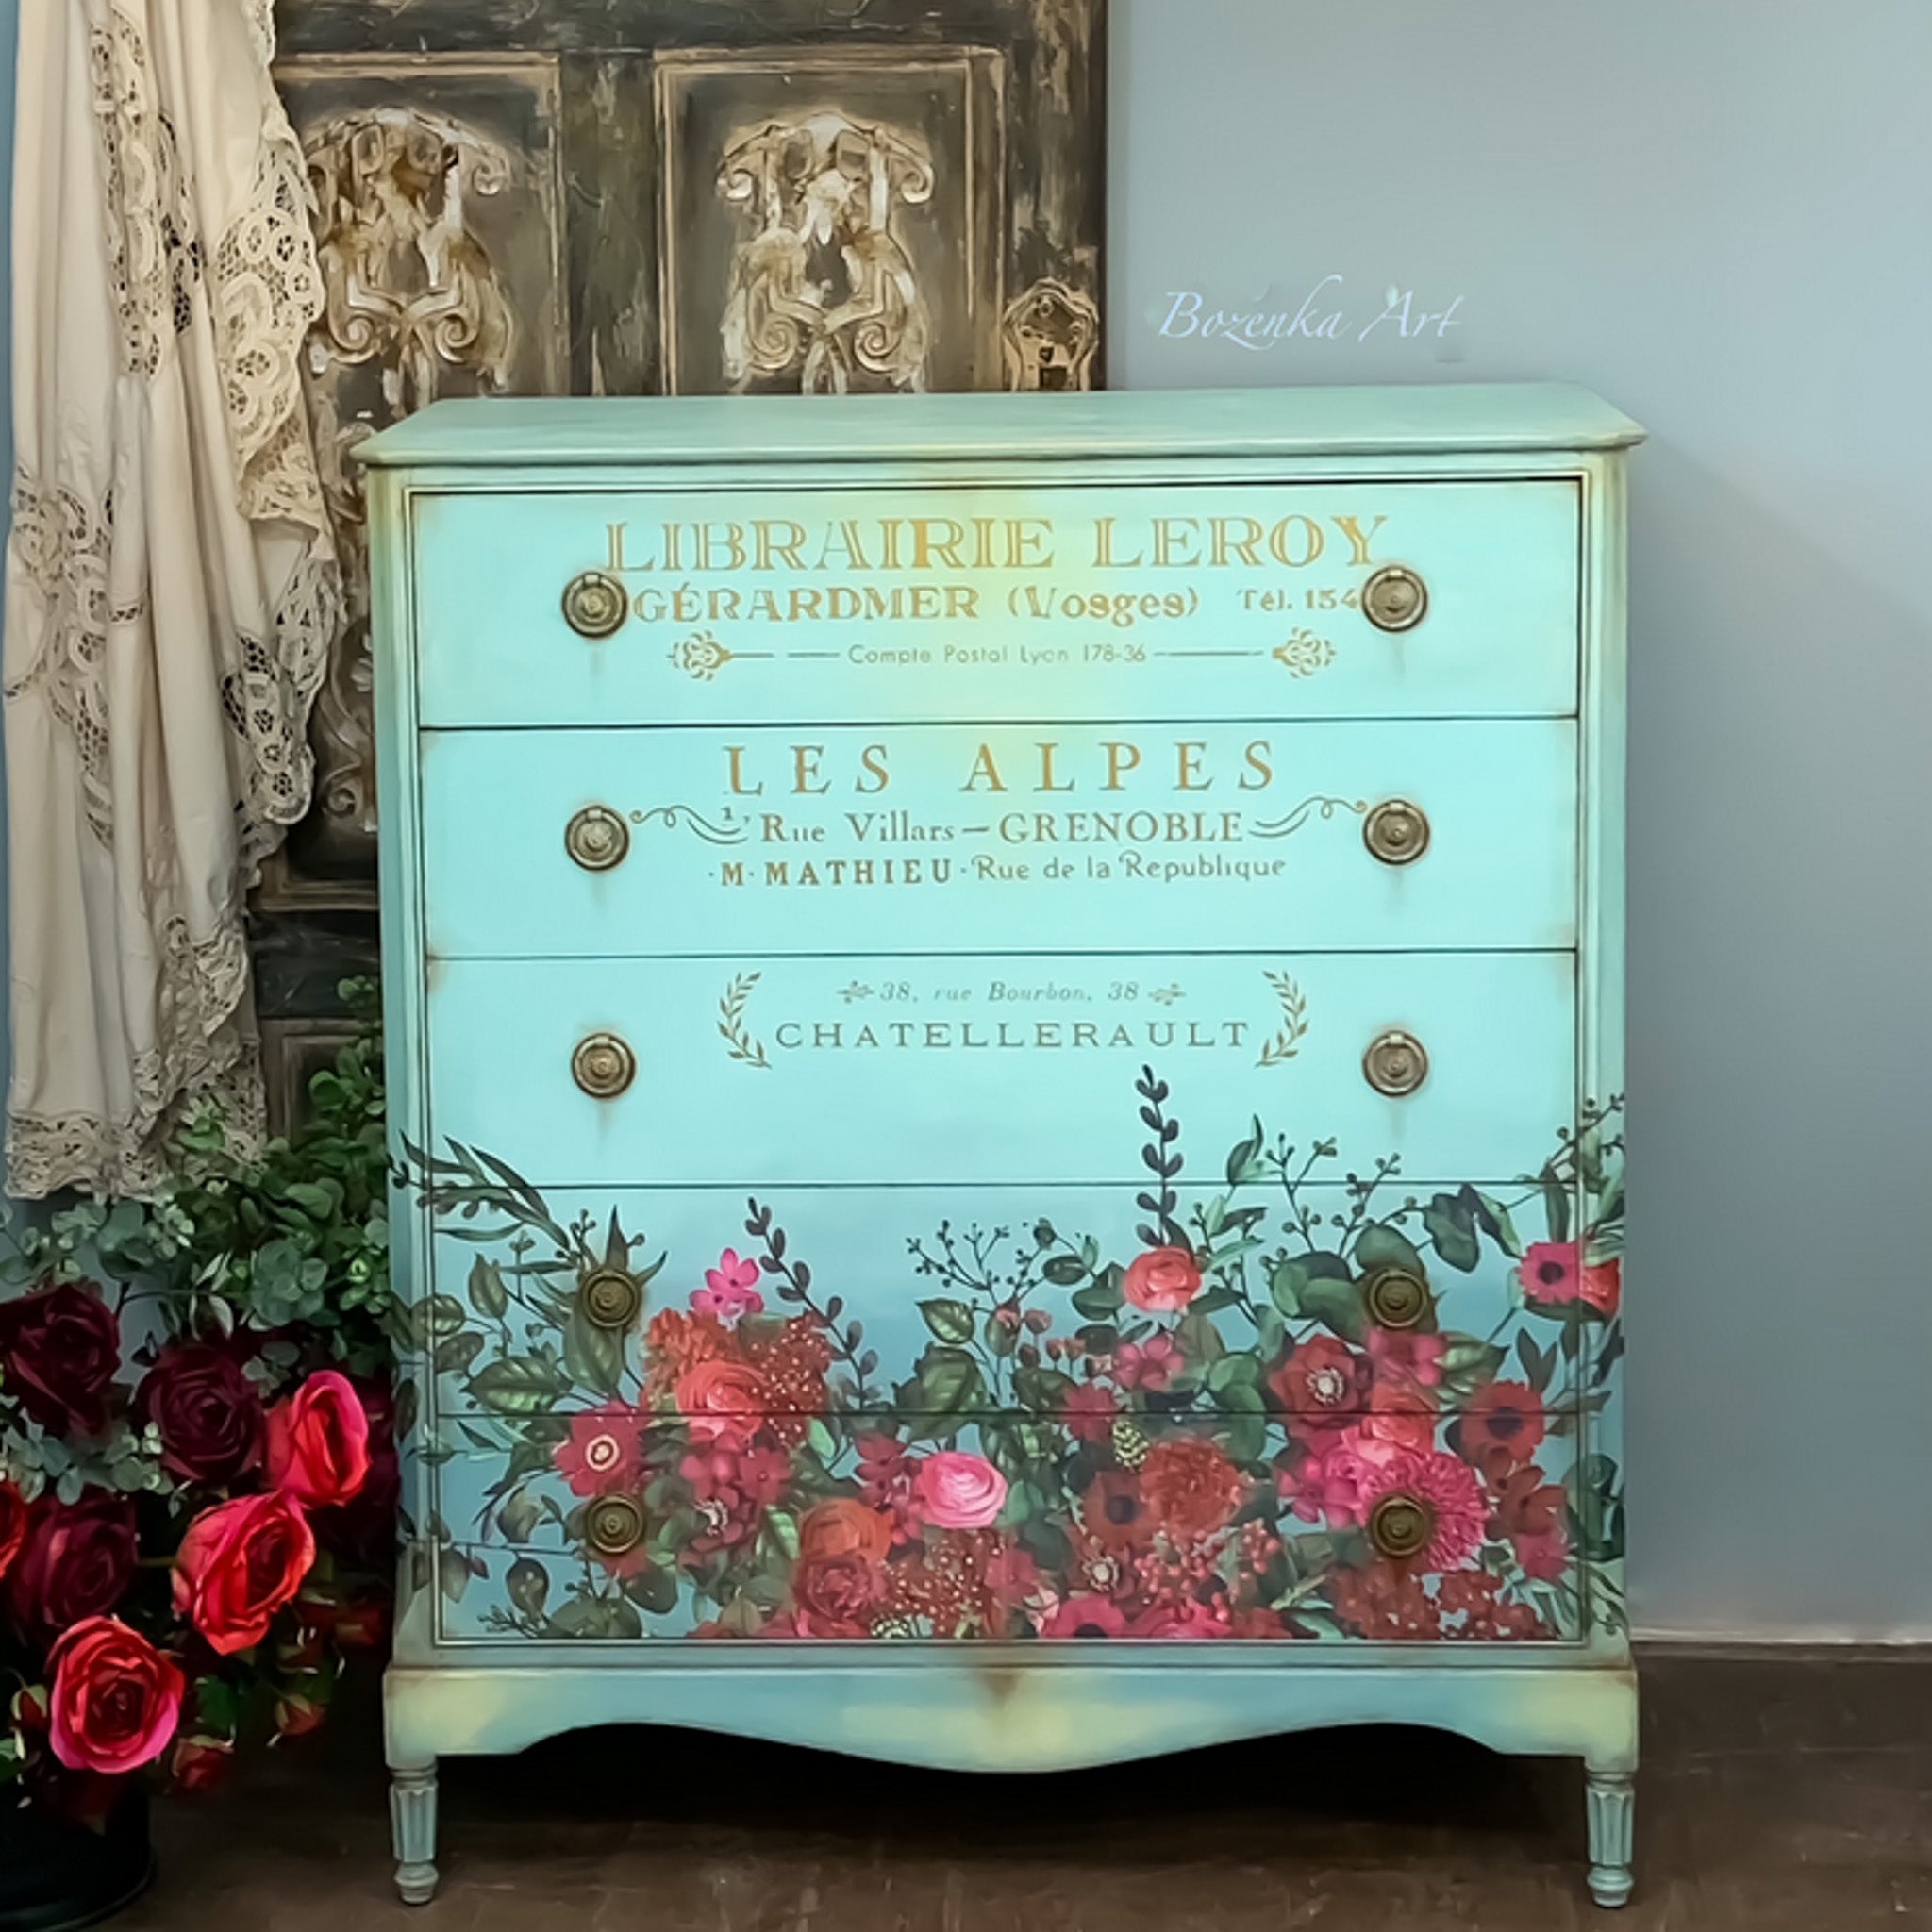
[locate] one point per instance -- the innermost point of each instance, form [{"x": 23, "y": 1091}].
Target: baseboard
[{"x": 1909, "y": 1645}]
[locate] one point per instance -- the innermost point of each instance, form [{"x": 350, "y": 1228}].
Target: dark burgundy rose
[
  {"x": 77, "y": 1562},
  {"x": 59, "y": 1349},
  {"x": 208, "y": 1411}
]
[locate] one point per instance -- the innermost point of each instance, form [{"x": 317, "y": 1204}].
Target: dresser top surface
[{"x": 1303, "y": 422}]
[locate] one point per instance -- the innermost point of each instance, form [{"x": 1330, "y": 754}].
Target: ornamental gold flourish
[
  {"x": 702, "y": 654},
  {"x": 1294, "y": 1020},
  {"x": 742, "y": 1043},
  {"x": 1309, "y": 808},
  {"x": 1304, "y": 654}
]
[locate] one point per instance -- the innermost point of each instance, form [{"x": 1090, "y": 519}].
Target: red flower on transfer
[
  {"x": 1555, "y": 1274},
  {"x": 606, "y": 1451},
  {"x": 238, "y": 1565},
  {"x": 1161, "y": 1281},
  {"x": 1191, "y": 1486},
  {"x": 1501, "y": 1425},
  {"x": 719, "y": 1397}
]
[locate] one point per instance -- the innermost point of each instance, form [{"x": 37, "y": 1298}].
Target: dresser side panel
[{"x": 406, "y": 1030}]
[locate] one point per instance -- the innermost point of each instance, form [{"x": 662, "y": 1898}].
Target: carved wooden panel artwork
[{"x": 614, "y": 198}]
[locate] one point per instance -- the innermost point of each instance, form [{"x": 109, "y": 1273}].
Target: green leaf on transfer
[
  {"x": 1451, "y": 1224},
  {"x": 489, "y": 1295},
  {"x": 518, "y": 1385},
  {"x": 950, "y": 1321}
]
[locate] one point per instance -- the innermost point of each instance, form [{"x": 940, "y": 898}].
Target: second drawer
[{"x": 933, "y": 838}]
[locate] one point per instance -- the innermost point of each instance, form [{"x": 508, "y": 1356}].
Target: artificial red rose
[
  {"x": 201, "y": 1764},
  {"x": 13, "y": 1517},
  {"x": 116, "y": 1698},
  {"x": 837, "y": 1595},
  {"x": 1190, "y": 1487},
  {"x": 318, "y": 1441},
  {"x": 1161, "y": 1281},
  {"x": 362, "y": 1531},
  {"x": 843, "y": 1526},
  {"x": 239, "y": 1563},
  {"x": 75, "y": 1562},
  {"x": 1503, "y": 1425},
  {"x": 60, "y": 1351},
  {"x": 718, "y": 1396},
  {"x": 1323, "y": 1380},
  {"x": 208, "y": 1411}
]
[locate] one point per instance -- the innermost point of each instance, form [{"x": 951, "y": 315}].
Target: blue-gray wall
[{"x": 1719, "y": 216}]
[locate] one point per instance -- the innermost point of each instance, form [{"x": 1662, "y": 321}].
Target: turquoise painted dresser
[{"x": 1004, "y": 1036}]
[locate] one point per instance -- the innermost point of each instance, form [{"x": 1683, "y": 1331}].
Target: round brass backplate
[
  {"x": 603, "y": 1066},
  {"x": 612, "y": 1298},
  {"x": 1395, "y": 598},
  {"x": 614, "y": 1525},
  {"x": 596, "y": 604},
  {"x": 1396, "y": 832},
  {"x": 1401, "y": 1526},
  {"x": 1396, "y": 1298},
  {"x": 1397, "y": 1063},
  {"x": 597, "y": 838}
]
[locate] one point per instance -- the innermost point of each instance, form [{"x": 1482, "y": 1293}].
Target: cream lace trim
[
  {"x": 264, "y": 291},
  {"x": 205, "y": 1051}
]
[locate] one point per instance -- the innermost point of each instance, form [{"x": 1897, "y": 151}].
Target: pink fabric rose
[{"x": 956, "y": 1490}]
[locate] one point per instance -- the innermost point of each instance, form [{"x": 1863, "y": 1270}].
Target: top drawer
[{"x": 1092, "y": 602}]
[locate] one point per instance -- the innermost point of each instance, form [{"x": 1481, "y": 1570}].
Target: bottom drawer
[{"x": 1115, "y": 1522}]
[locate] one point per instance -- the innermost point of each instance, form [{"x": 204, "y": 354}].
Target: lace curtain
[{"x": 172, "y": 591}]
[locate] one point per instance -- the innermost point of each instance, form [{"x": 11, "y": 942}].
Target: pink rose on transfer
[
  {"x": 956, "y": 1490},
  {"x": 1162, "y": 1281},
  {"x": 731, "y": 1289}
]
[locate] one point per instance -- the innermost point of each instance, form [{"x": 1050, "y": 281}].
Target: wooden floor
[{"x": 1787, "y": 1793}]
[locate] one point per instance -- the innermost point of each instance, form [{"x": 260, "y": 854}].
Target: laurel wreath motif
[
  {"x": 1294, "y": 1022},
  {"x": 742, "y": 1043}
]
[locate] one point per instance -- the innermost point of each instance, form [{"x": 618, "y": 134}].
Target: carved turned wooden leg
[
  {"x": 1611, "y": 1797},
  {"x": 412, "y": 1823}
]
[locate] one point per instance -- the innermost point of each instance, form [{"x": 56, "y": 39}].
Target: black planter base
[{"x": 58, "y": 1878}]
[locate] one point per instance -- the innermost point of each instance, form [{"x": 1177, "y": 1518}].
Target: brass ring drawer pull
[
  {"x": 596, "y": 604},
  {"x": 614, "y": 1525},
  {"x": 1401, "y": 1526},
  {"x": 1395, "y": 598},
  {"x": 603, "y": 1066},
  {"x": 612, "y": 1298},
  {"x": 1397, "y": 1063},
  {"x": 597, "y": 838},
  {"x": 1396, "y": 832},
  {"x": 1396, "y": 1298}
]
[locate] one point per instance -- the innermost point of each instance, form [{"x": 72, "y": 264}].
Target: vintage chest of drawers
[{"x": 1004, "y": 1028}]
